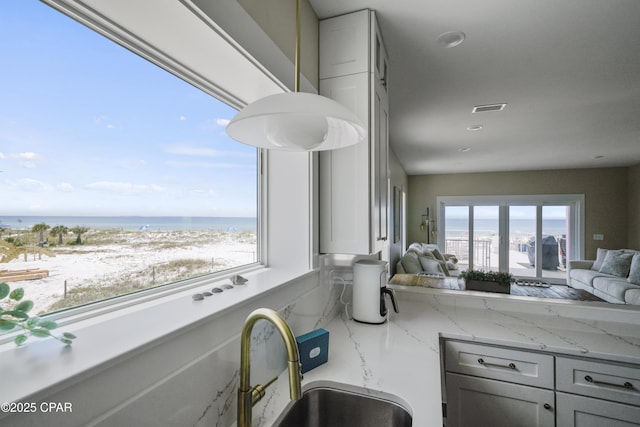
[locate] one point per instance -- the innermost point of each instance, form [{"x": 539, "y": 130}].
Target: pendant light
[{"x": 296, "y": 121}]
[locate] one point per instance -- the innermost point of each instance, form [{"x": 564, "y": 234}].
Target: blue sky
[{"x": 89, "y": 128}]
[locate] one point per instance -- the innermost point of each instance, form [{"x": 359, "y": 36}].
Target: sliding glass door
[{"x": 528, "y": 236}]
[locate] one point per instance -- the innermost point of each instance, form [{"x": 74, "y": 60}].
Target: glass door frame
[{"x": 575, "y": 220}]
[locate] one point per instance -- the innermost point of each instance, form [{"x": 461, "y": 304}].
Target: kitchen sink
[{"x": 332, "y": 404}]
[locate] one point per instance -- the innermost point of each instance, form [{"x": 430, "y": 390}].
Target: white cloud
[
  {"x": 28, "y": 159},
  {"x": 2, "y": 156},
  {"x": 124, "y": 187},
  {"x": 189, "y": 150},
  {"x": 206, "y": 165},
  {"x": 65, "y": 187},
  {"x": 222, "y": 122},
  {"x": 28, "y": 184},
  {"x": 186, "y": 150},
  {"x": 183, "y": 118}
]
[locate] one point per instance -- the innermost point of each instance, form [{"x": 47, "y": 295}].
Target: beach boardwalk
[{"x": 19, "y": 275}]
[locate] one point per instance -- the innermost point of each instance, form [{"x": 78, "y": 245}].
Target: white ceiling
[{"x": 569, "y": 71}]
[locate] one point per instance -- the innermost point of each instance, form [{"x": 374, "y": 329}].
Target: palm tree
[
  {"x": 79, "y": 231},
  {"x": 59, "y": 230},
  {"x": 40, "y": 228}
]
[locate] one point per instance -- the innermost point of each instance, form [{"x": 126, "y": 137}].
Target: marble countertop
[{"x": 402, "y": 356}]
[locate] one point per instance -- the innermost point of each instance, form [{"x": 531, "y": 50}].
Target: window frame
[
  {"x": 84, "y": 14},
  {"x": 576, "y": 219}
]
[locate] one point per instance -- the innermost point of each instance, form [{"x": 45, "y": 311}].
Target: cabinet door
[
  {"x": 379, "y": 61},
  {"x": 580, "y": 411},
  {"x": 345, "y": 225},
  {"x": 344, "y": 45},
  {"x": 481, "y": 402}
]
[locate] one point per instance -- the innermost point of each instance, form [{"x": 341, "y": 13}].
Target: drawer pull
[
  {"x": 496, "y": 365},
  {"x": 626, "y": 385}
]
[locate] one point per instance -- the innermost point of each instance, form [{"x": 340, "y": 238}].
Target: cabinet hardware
[
  {"x": 509, "y": 366},
  {"x": 626, "y": 385},
  {"x": 547, "y": 406}
]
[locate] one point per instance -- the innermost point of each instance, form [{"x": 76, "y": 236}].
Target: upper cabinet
[{"x": 354, "y": 181}]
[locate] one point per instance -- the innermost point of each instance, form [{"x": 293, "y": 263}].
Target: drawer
[
  {"x": 600, "y": 379},
  {"x": 499, "y": 363}
]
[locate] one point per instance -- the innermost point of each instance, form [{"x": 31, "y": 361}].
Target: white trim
[{"x": 576, "y": 220}]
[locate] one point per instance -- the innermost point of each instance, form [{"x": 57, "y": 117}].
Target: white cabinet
[
  {"x": 597, "y": 393},
  {"x": 580, "y": 411},
  {"x": 488, "y": 385},
  {"x": 354, "y": 181},
  {"x": 495, "y": 386},
  {"x": 482, "y": 402}
]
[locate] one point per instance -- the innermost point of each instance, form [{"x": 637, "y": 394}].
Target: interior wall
[
  {"x": 277, "y": 18},
  {"x": 398, "y": 180},
  {"x": 634, "y": 207},
  {"x": 606, "y": 197}
]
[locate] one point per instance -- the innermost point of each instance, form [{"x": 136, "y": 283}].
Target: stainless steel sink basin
[{"x": 331, "y": 404}]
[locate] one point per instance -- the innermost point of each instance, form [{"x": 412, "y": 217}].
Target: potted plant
[{"x": 491, "y": 281}]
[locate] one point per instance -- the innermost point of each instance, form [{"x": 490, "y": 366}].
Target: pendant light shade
[{"x": 296, "y": 121}]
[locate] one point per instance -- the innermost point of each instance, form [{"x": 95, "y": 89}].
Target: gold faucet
[{"x": 249, "y": 396}]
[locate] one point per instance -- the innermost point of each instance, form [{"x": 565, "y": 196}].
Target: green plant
[
  {"x": 16, "y": 316},
  {"x": 488, "y": 276}
]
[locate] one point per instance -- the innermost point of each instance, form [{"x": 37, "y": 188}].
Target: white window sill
[{"x": 105, "y": 339}]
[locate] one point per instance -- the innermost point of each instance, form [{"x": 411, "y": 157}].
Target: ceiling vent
[{"x": 489, "y": 107}]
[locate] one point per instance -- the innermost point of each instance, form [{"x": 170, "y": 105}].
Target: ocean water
[
  {"x": 153, "y": 223},
  {"x": 459, "y": 226}
]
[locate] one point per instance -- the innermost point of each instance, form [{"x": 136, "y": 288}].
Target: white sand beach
[{"x": 130, "y": 256}]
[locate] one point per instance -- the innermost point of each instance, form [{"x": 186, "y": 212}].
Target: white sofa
[
  {"x": 427, "y": 258},
  {"x": 614, "y": 276}
]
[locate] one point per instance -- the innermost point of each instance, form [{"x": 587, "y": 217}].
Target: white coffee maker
[{"x": 369, "y": 290}]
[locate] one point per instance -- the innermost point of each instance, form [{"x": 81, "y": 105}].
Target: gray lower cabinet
[
  {"x": 490, "y": 385},
  {"x": 495, "y": 386},
  {"x": 482, "y": 402},
  {"x": 581, "y": 411}
]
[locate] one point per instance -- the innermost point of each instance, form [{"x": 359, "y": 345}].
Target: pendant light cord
[{"x": 297, "y": 54}]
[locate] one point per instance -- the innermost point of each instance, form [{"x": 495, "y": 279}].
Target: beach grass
[
  {"x": 114, "y": 262},
  {"x": 168, "y": 272}
]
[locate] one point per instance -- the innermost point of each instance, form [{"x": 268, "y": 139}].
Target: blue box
[{"x": 313, "y": 348}]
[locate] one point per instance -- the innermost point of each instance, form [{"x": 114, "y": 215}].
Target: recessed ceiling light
[
  {"x": 464, "y": 149},
  {"x": 488, "y": 107},
  {"x": 451, "y": 38},
  {"x": 475, "y": 128}
]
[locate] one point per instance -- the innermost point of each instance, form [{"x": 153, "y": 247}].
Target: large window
[
  {"x": 528, "y": 236},
  {"x": 115, "y": 175}
]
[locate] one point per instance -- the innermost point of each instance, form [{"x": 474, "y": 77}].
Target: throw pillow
[
  {"x": 410, "y": 263},
  {"x": 437, "y": 254},
  {"x": 451, "y": 265},
  {"x": 599, "y": 259},
  {"x": 634, "y": 271},
  {"x": 430, "y": 265},
  {"x": 617, "y": 263}
]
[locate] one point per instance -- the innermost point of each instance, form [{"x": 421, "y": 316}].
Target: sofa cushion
[
  {"x": 614, "y": 286},
  {"x": 599, "y": 259},
  {"x": 411, "y": 263},
  {"x": 431, "y": 266},
  {"x": 634, "y": 270},
  {"x": 617, "y": 263},
  {"x": 585, "y": 276},
  {"x": 632, "y": 296}
]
